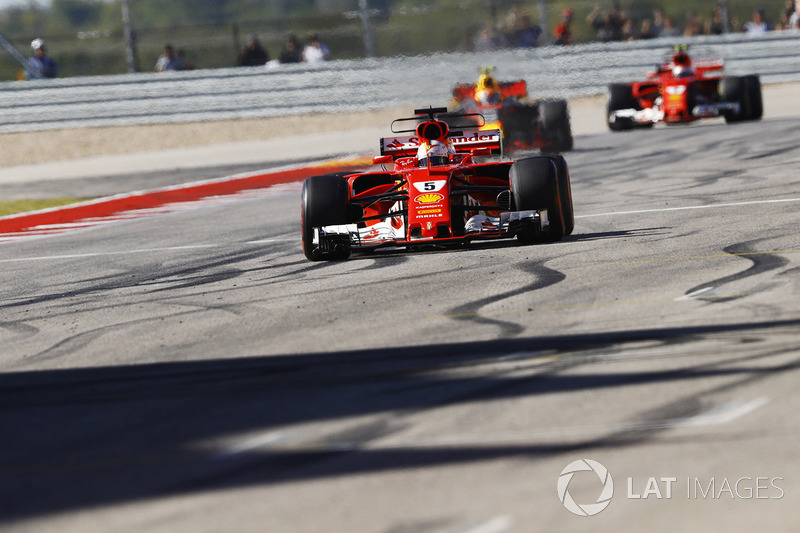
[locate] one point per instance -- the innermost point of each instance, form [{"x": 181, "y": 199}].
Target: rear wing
[
  {"x": 509, "y": 89},
  {"x": 463, "y": 143},
  {"x": 703, "y": 67},
  {"x": 709, "y": 66}
]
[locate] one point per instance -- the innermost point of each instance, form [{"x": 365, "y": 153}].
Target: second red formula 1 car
[
  {"x": 436, "y": 193},
  {"x": 680, "y": 90}
]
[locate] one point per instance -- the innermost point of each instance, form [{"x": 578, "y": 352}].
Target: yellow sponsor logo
[{"x": 429, "y": 198}]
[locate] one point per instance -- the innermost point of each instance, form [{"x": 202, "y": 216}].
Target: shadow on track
[{"x": 81, "y": 438}]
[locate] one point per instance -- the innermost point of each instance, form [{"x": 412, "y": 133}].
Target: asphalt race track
[{"x": 193, "y": 372}]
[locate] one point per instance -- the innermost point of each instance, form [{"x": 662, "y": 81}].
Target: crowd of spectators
[
  {"x": 516, "y": 30},
  {"x": 613, "y": 24},
  {"x": 314, "y": 51},
  {"x": 254, "y": 54},
  {"x": 617, "y": 25}
]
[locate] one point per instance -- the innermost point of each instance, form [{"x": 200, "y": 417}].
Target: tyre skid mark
[
  {"x": 761, "y": 263},
  {"x": 544, "y": 277}
]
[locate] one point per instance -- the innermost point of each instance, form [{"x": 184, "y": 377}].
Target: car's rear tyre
[
  {"x": 534, "y": 185},
  {"x": 555, "y": 126},
  {"x": 519, "y": 123},
  {"x": 746, "y": 91},
  {"x": 565, "y": 193},
  {"x": 324, "y": 203}
]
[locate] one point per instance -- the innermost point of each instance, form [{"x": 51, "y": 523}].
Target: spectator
[
  {"x": 694, "y": 26},
  {"x": 169, "y": 61},
  {"x": 669, "y": 29},
  {"x": 794, "y": 19},
  {"x": 629, "y": 29},
  {"x": 292, "y": 51},
  {"x": 512, "y": 25},
  {"x": 658, "y": 21},
  {"x": 253, "y": 54},
  {"x": 528, "y": 34},
  {"x": 180, "y": 53},
  {"x": 786, "y": 14},
  {"x": 647, "y": 31},
  {"x": 486, "y": 41},
  {"x": 717, "y": 24},
  {"x": 40, "y": 62},
  {"x": 757, "y": 25},
  {"x": 563, "y": 30},
  {"x": 783, "y": 23},
  {"x": 608, "y": 26},
  {"x": 315, "y": 51}
]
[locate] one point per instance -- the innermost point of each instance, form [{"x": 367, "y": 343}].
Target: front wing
[{"x": 385, "y": 233}]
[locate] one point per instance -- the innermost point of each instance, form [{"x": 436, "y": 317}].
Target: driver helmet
[
  {"x": 682, "y": 64},
  {"x": 436, "y": 151},
  {"x": 487, "y": 90},
  {"x": 682, "y": 71},
  {"x": 37, "y": 44}
]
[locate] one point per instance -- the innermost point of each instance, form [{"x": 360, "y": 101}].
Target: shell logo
[{"x": 429, "y": 198}]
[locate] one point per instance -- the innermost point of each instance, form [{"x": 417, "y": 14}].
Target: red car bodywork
[
  {"x": 683, "y": 90},
  {"x": 525, "y": 124},
  {"x": 673, "y": 89},
  {"x": 413, "y": 204}
]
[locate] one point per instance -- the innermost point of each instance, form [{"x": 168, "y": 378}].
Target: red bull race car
[
  {"x": 525, "y": 124},
  {"x": 437, "y": 200},
  {"x": 681, "y": 90}
]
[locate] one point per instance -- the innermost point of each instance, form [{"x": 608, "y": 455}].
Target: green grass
[{"x": 22, "y": 206}]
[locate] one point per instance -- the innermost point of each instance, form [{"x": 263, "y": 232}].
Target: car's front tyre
[
  {"x": 534, "y": 186},
  {"x": 323, "y": 203},
  {"x": 746, "y": 91}
]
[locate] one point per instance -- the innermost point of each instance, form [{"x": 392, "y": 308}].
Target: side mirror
[
  {"x": 381, "y": 159},
  {"x": 481, "y": 151}
]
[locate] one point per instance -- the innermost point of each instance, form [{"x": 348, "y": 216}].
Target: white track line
[
  {"x": 275, "y": 442},
  {"x": 497, "y": 524},
  {"x": 723, "y": 414}
]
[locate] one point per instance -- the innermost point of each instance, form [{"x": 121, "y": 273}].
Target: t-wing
[{"x": 464, "y": 143}]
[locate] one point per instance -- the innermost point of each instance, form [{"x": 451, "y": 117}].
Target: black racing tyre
[
  {"x": 324, "y": 203},
  {"x": 693, "y": 96},
  {"x": 555, "y": 125},
  {"x": 755, "y": 103},
  {"x": 518, "y": 122},
  {"x": 534, "y": 185},
  {"x": 746, "y": 91},
  {"x": 565, "y": 193},
  {"x": 620, "y": 96},
  {"x": 733, "y": 91}
]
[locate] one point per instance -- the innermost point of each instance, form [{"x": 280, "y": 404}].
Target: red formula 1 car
[
  {"x": 429, "y": 200},
  {"x": 680, "y": 90},
  {"x": 525, "y": 124}
]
